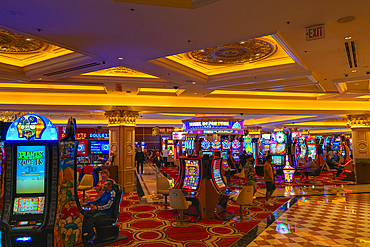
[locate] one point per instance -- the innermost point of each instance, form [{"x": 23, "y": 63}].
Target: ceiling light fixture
[
  {"x": 120, "y": 58},
  {"x": 193, "y": 82},
  {"x": 354, "y": 70},
  {"x": 12, "y": 12},
  {"x": 346, "y": 19},
  {"x": 356, "y": 84},
  {"x": 201, "y": 50},
  {"x": 348, "y": 37},
  {"x": 257, "y": 54},
  {"x": 28, "y": 39},
  {"x": 242, "y": 42},
  {"x": 195, "y": 93},
  {"x": 220, "y": 61}
]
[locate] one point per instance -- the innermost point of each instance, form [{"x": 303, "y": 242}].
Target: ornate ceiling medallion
[
  {"x": 121, "y": 70},
  {"x": 246, "y": 51},
  {"x": 16, "y": 43}
]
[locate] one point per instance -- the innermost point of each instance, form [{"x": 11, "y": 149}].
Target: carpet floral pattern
[{"x": 150, "y": 225}]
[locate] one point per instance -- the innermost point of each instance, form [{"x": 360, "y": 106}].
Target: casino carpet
[
  {"x": 150, "y": 225},
  {"x": 325, "y": 178}
]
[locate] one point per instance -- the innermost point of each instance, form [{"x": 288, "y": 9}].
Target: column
[
  {"x": 121, "y": 125},
  {"x": 360, "y": 126}
]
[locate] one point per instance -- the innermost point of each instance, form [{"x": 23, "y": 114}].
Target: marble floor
[{"x": 331, "y": 220}]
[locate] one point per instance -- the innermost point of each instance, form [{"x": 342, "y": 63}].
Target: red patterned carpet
[
  {"x": 149, "y": 225},
  {"x": 325, "y": 178}
]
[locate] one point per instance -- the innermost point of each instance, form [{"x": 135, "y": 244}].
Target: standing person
[
  {"x": 145, "y": 155},
  {"x": 165, "y": 156},
  {"x": 269, "y": 179},
  {"x": 157, "y": 160},
  {"x": 243, "y": 158},
  {"x": 231, "y": 165},
  {"x": 139, "y": 158},
  {"x": 250, "y": 174}
]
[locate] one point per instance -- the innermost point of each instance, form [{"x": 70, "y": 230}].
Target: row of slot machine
[{"x": 223, "y": 146}]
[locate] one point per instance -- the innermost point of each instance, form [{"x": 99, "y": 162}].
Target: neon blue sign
[
  {"x": 98, "y": 135},
  {"x": 23, "y": 239},
  {"x": 32, "y": 127}
]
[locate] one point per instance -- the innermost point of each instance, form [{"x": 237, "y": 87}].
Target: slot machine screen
[
  {"x": 29, "y": 205},
  {"x": 224, "y": 155},
  {"x": 278, "y": 160},
  {"x": 82, "y": 147},
  {"x": 277, "y": 148},
  {"x": 207, "y": 152},
  {"x": 217, "y": 174},
  {"x": 30, "y": 169},
  {"x": 192, "y": 173},
  {"x": 99, "y": 147}
]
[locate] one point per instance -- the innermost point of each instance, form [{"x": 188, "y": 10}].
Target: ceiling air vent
[
  {"x": 351, "y": 54},
  {"x": 73, "y": 69}
]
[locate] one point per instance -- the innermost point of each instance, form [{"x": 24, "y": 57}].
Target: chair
[
  {"x": 178, "y": 201},
  {"x": 329, "y": 169},
  {"x": 240, "y": 175},
  {"x": 245, "y": 198},
  {"x": 105, "y": 228},
  {"x": 315, "y": 174},
  {"x": 163, "y": 187},
  {"x": 87, "y": 183}
]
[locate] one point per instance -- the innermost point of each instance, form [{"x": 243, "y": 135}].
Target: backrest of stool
[
  {"x": 162, "y": 184},
  {"x": 177, "y": 199},
  {"x": 245, "y": 196},
  {"x": 115, "y": 211},
  {"x": 88, "y": 169}
]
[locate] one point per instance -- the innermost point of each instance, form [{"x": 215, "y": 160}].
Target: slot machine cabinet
[
  {"x": 192, "y": 185},
  {"x": 31, "y": 181},
  {"x": 218, "y": 193},
  {"x": 311, "y": 148}
]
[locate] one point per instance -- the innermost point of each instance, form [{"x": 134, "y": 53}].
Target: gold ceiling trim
[
  {"x": 19, "y": 50},
  {"x": 16, "y": 43},
  {"x": 359, "y": 121},
  {"x": 121, "y": 117},
  {"x": 241, "y": 52},
  {"x": 120, "y": 71}
]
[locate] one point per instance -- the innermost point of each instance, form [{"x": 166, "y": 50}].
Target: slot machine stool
[
  {"x": 245, "y": 198},
  {"x": 163, "y": 187},
  {"x": 178, "y": 201}
]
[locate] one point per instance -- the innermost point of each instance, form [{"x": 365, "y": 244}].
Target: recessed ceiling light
[
  {"x": 195, "y": 93},
  {"x": 4, "y": 48},
  {"x": 220, "y": 61},
  {"x": 257, "y": 54},
  {"x": 12, "y": 12},
  {"x": 193, "y": 82},
  {"x": 120, "y": 58},
  {"x": 346, "y": 19},
  {"x": 354, "y": 70},
  {"x": 348, "y": 37},
  {"x": 201, "y": 50},
  {"x": 40, "y": 79},
  {"x": 28, "y": 39},
  {"x": 356, "y": 84},
  {"x": 242, "y": 42}
]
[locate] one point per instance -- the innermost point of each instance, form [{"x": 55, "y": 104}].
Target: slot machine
[
  {"x": 236, "y": 150},
  {"x": 31, "y": 181},
  {"x": 311, "y": 148},
  {"x": 171, "y": 147},
  {"x": 205, "y": 148},
  {"x": 302, "y": 148},
  {"x": 278, "y": 149}
]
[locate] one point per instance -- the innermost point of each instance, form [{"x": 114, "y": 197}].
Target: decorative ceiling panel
[
  {"x": 120, "y": 71},
  {"x": 19, "y": 50}
]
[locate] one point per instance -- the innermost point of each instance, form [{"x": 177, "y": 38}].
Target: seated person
[
  {"x": 335, "y": 158},
  {"x": 310, "y": 167},
  {"x": 103, "y": 207},
  {"x": 104, "y": 177},
  {"x": 332, "y": 165}
]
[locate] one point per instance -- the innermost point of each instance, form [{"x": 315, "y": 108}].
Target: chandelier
[{"x": 10, "y": 116}]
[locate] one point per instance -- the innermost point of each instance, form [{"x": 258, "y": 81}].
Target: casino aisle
[{"x": 333, "y": 220}]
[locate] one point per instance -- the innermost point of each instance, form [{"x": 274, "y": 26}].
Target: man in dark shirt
[
  {"x": 139, "y": 158},
  {"x": 335, "y": 158},
  {"x": 243, "y": 158},
  {"x": 104, "y": 206},
  {"x": 332, "y": 165}
]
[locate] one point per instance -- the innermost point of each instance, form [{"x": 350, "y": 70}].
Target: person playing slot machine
[{"x": 102, "y": 208}]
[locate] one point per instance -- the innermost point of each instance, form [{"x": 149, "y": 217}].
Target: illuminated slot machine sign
[
  {"x": 236, "y": 150},
  {"x": 206, "y": 145},
  {"x": 288, "y": 171},
  {"x": 192, "y": 175},
  {"x": 302, "y": 147},
  {"x": 248, "y": 145},
  {"x": 311, "y": 148},
  {"x": 278, "y": 148},
  {"x": 216, "y": 174},
  {"x": 171, "y": 147},
  {"x": 99, "y": 147},
  {"x": 226, "y": 144},
  {"x": 82, "y": 148},
  {"x": 336, "y": 144},
  {"x": 216, "y": 145}
]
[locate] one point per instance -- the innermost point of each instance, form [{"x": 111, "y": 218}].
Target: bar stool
[
  {"x": 178, "y": 201},
  {"x": 245, "y": 198},
  {"x": 240, "y": 176},
  {"x": 163, "y": 187},
  {"x": 87, "y": 181}
]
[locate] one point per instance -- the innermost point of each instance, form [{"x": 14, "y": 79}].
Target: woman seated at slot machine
[{"x": 104, "y": 177}]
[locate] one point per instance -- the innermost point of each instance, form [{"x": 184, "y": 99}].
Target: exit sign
[{"x": 315, "y": 32}]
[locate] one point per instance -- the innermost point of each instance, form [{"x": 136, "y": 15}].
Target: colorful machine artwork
[
  {"x": 206, "y": 145},
  {"x": 216, "y": 145},
  {"x": 32, "y": 127},
  {"x": 226, "y": 144},
  {"x": 68, "y": 227},
  {"x": 288, "y": 171}
]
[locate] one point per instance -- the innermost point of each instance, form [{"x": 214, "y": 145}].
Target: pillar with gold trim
[
  {"x": 360, "y": 126},
  {"x": 121, "y": 125}
]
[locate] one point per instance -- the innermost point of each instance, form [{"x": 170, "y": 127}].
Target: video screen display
[
  {"x": 99, "y": 147},
  {"x": 82, "y": 147},
  {"x": 217, "y": 174},
  {"x": 224, "y": 155},
  {"x": 207, "y": 152},
  {"x": 192, "y": 173},
  {"x": 277, "y": 148},
  {"x": 30, "y": 169},
  {"x": 336, "y": 146},
  {"x": 29, "y": 205},
  {"x": 278, "y": 160},
  {"x": 266, "y": 136}
]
